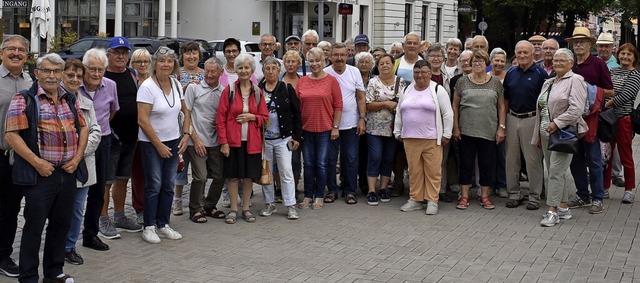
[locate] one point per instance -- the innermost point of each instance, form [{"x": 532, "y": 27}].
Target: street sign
[
  {"x": 345, "y": 9},
  {"x": 464, "y": 9},
  {"x": 483, "y": 26}
]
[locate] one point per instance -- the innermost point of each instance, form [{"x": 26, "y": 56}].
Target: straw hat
[
  {"x": 605, "y": 38},
  {"x": 581, "y": 32},
  {"x": 537, "y": 38}
]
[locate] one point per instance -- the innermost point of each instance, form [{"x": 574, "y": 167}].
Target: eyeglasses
[
  {"x": 72, "y": 75},
  {"x": 465, "y": 61},
  {"x": 478, "y": 62},
  {"x": 144, "y": 62},
  {"x": 421, "y": 73},
  {"x": 95, "y": 70},
  {"x": 267, "y": 44},
  {"x": 14, "y": 49},
  {"x": 165, "y": 50},
  {"x": 119, "y": 53},
  {"x": 435, "y": 56},
  {"x": 233, "y": 51},
  {"x": 271, "y": 69},
  {"x": 50, "y": 71},
  {"x": 560, "y": 61}
]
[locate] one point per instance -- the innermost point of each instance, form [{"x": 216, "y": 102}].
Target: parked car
[
  {"x": 245, "y": 47},
  {"x": 207, "y": 50}
]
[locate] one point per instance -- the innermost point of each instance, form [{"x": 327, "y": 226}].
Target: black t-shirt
[{"x": 125, "y": 122}]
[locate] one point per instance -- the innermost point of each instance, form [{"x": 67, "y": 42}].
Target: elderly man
[
  {"x": 605, "y": 45},
  {"x": 292, "y": 42},
  {"x": 124, "y": 137},
  {"x": 13, "y": 79},
  {"x": 595, "y": 72},
  {"x": 351, "y": 48},
  {"x": 48, "y": 154},
  {"x": 549, "y": 48},
  {"x": 104, "y": 94},
  {"x": 522, "y": 85},
  {"x": 352, "y": 124},
  {"x": 202, "y": 106},
  {"x": 267, "y": 48},
  {"x": 310, "y": 40},
  {"x": 537, "y": 41},
  {"x": 361, "y": 45},
  {"x": 480, "y": 42}
]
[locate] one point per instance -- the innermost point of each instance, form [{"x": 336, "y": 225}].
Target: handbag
[
  {"x": 564, "y": 140},
  {"x": 607, "y": 122},
  {"x": 265, "y": 174}
]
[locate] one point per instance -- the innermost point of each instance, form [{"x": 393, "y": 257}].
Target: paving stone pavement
[{"x": 361, "y": 243}]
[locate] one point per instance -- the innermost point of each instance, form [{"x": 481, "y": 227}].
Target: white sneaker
[
  {"x": 176, "y": 207},
  {"x": 411, "y": 206},
  {"x": 432, "y": 208},
  {"x": 292, "y": 213},
  {"x": 550, "y": 219},
  {"x": 169, "y": 233},
  {"x": 268, "y": 209},
  {"x": 149, "y": 235}
]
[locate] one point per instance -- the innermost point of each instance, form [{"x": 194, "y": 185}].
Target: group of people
[{"x": 452, "y": 115}]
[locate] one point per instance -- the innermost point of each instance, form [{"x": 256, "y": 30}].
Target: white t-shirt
[
  {"x": 350, "y": 80},
  {"x": 450, "y": 70},
  {"x": 231, "y": 77},
  {"x": 405, "y": 71},
  {"x": 164, "y": 111}
]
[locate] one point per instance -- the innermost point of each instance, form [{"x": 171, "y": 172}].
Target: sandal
[
  {"x": 463, "y": 203},
  {"x": 305, "y": 203},
  {"x": 318, "y": 203},
  {"x": 62, "y": 279},
  {"x": 330, "y": 198},
  {"x": 351, "y": 199},
  {"x": 486, "y": 203},
  {"x": 214, "y": 212},
  {"x": 248, "y": 216},
  {"x": 231, "y": 217},
  {"x": 198, "y": 217}
]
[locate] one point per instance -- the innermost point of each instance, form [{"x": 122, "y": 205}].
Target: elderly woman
[
  {"x": 364, "y": 61},
  {"x": 626, "y": 84},
  {"x": 423, "y": 123},
  {"x": 326, "y": 48},
  {"x": 321, "y": 109},
  {"x": 377, "y": 52},
  {"x": 241, "y": 114},
  {"x": 190, "y": 73},
  {"x": 498, "y": 59},
  {"x": 159, "y": 104},
  {"x": 560, "y": 104},
  {"x": 231, "y": 49},
  {"x": 435, "y": 56},
  {"x": 478, "y": 125},
  {"x": 71, "y": 81},
  {"x": 283, "y": 134},
  {"x": 424, "y": 48},
  {"x": 382, "y": 98},
  {"x": 396, "y": 49},
  {"x": 140, "y": 61},
  {"x": 292, "y": 61},
  {"x": 453, "y": 49}
]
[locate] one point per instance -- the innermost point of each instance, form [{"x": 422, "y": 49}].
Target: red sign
[{"x": 345, "y": 9}]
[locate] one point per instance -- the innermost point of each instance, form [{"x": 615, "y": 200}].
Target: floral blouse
[{"x": 380, "y": 123}]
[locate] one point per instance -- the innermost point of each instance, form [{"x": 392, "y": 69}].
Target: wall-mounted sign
[
  {"x": 15, "y": 3},
  {"x": 345, "y": 9},
  {"x": 464, "y": 9},
  {"x": 255, "y": 28}
]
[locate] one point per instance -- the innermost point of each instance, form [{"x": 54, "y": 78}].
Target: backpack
[{"x": 232, "y": 92}]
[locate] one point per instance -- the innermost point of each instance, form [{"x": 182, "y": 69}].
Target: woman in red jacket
[{"x": 239, "y": 119}]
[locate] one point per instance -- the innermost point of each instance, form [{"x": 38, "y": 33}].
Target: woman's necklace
[
  {"x": 226, "y": 67},
  {"x": 482, "y": 80},
  {"x": 173, "y": 95}
]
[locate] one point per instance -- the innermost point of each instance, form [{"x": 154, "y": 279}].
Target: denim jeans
[
  {"x": 588, "y": 155},
  {"x": 276, "y": 152},
  {"x": 76, "y": 217},
  {"x": 160, "y": 178},
  {"x": 10, "y": 198},
  {"x": 315, "y": 153},
  {"x": 50, "y": 199},
  {"x": 381, "y": 152},
  {"x": 347, "y": 145}
]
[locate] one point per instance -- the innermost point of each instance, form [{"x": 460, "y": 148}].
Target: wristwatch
[
  {"x": 335, "y": 126},
  {"x": 363, "y": 117},
  {"x": 502, "y": 126}
]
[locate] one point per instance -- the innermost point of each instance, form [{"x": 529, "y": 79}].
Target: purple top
[
  {"x": 104, "y": 100},
  {"x": 594, "y": 71},
  {"x": 418, "y": 115}
]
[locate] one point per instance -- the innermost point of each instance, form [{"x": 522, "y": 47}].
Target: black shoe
[
  {"x": 533, "y": 206},
  {"x": 95, "y": 243},
  {"x": 445, "y": 197},
  {"x": 9, "y": 268},
  {"x": 73, "y": 257},
  {"x": 514, "y": 203},
  {"x": 618, "y": 182}
]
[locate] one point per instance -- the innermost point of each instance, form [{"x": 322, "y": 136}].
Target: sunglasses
[{"x": 165, "y": 51}]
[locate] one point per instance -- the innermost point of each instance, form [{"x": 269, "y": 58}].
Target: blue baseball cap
[{"x": 119, "y": 41}]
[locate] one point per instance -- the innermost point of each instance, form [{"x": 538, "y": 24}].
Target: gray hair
[
  {"x": 436, "y": 47},
  {"x": 270, "y": 60},
  {"x": 214, "y": 61},
  {"x": 566, "y": 52},
  {"x": 483, "y": 38},
  {"x": 453, "y": 42},
  {"x": 395, "y": 44},
  {"x": 53, "y": 58},
  {"x": 267, "y": 35},
  {"x": 324, "y": 43},
  {"x": 310, "y": 32},
  {"x": 15, "y": 37},
  {"x": 413, "y": 33},
  {"x": 244, "y": 58},
  {"x": 552, "y": 40},
  {"x": 497, "y": 51},
  {"x": 338, "y": 46},
  {"x": 527, "y": 43},
  {"x": 364, "y": 55},
  {"x": 465, "y": 53},
  {"x": 317, "y": 52},
  {"x": 95, "y": 53},
  {"x": 156, "y": 56}
]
